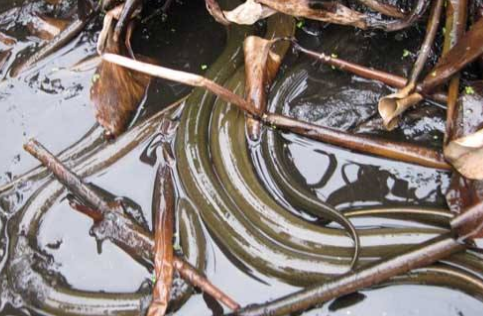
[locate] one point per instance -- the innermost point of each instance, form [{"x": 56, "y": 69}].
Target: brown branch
[
  {"x": 365, "y": 72},
  {"x": 384, "y": 148},
  {"x": 392, "y": 106},
  {"x": 69, "y": 179},
  {"x": 112, "y": 224},
  {"x": 456, "y": 15},
  {"x": 182, "y": 77},
  {"x": 393, "y": 150},
  {"x": 190, "y": 274}
]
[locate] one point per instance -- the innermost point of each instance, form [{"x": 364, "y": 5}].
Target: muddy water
[{"x": 51, "y": 103}]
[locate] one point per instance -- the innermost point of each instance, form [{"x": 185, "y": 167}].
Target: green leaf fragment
[{"x": 469, "y": 90}]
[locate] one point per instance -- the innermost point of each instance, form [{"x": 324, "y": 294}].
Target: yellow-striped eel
[
  {"x": 302, "y": 198},
  {"x": 218, "y": 177}
]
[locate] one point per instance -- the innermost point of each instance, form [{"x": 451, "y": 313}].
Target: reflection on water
[{"x": 51, "y": 103}]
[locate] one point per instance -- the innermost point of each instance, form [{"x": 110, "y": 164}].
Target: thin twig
[
  {"x": 182, "y": 77},
  {"x": 190, "y": 274},
  {"x": 359, "y": 70},
  {"x": 393, "y": 150},
  {"x": 456, "y": 15},
  {"x": 392, "y": 106},
  {"x": 69, "y": 179}
]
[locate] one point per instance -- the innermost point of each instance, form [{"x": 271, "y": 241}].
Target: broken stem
[
  {"x": 455, "y": 27},
  {"x": 190, "y": 274},
  {"x": 182, "y": 77},
  {"x": 67, "y": 177},
  {"x": 369, "y": 73},
  {"x": 398, "y": 151}
]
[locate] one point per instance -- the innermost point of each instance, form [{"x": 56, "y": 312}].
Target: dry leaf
[
  {"x": 163, "y": 207},
  {"x": 263, "y": 58},
  {"x": 248, "y": 13},
  {"x": 116, "y": 91},
  {"x": 214, "y": 9},
  {"x": 465, "y": 150},
  {"x": 327, "y": 11}
]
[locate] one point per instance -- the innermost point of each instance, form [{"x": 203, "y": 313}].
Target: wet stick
[
  {"x": 191, "y": 275},
  {"x": 364, "y": 72},
  {"x": 182, "y": 77},
  {"x": 455, "y": 26},
  {"x": 404, "y": 152},
  {"x": 397, "y": 151},
  {"x": 391, "y": 106},
  {"x": 127, "y": 11},
  {"x": 144, "y": 250},
  {"x": 127, "y": 235},
  {"x": 67, "y": 177},
  {"x": 378, "y": 272}
]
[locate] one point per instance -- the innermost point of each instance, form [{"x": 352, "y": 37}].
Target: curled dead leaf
[
  {"x": 393, "y": 105},
  {"x": 263, "y": 58},
  {"x": 216, "y": 12},
  {"x": 465, "y": 150},
  {"x": 116, "y": 91},
  {"x": 327, "y": 11},
  {"x": 248, "y": 13},
  {"x": 466, "y": 155}
]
